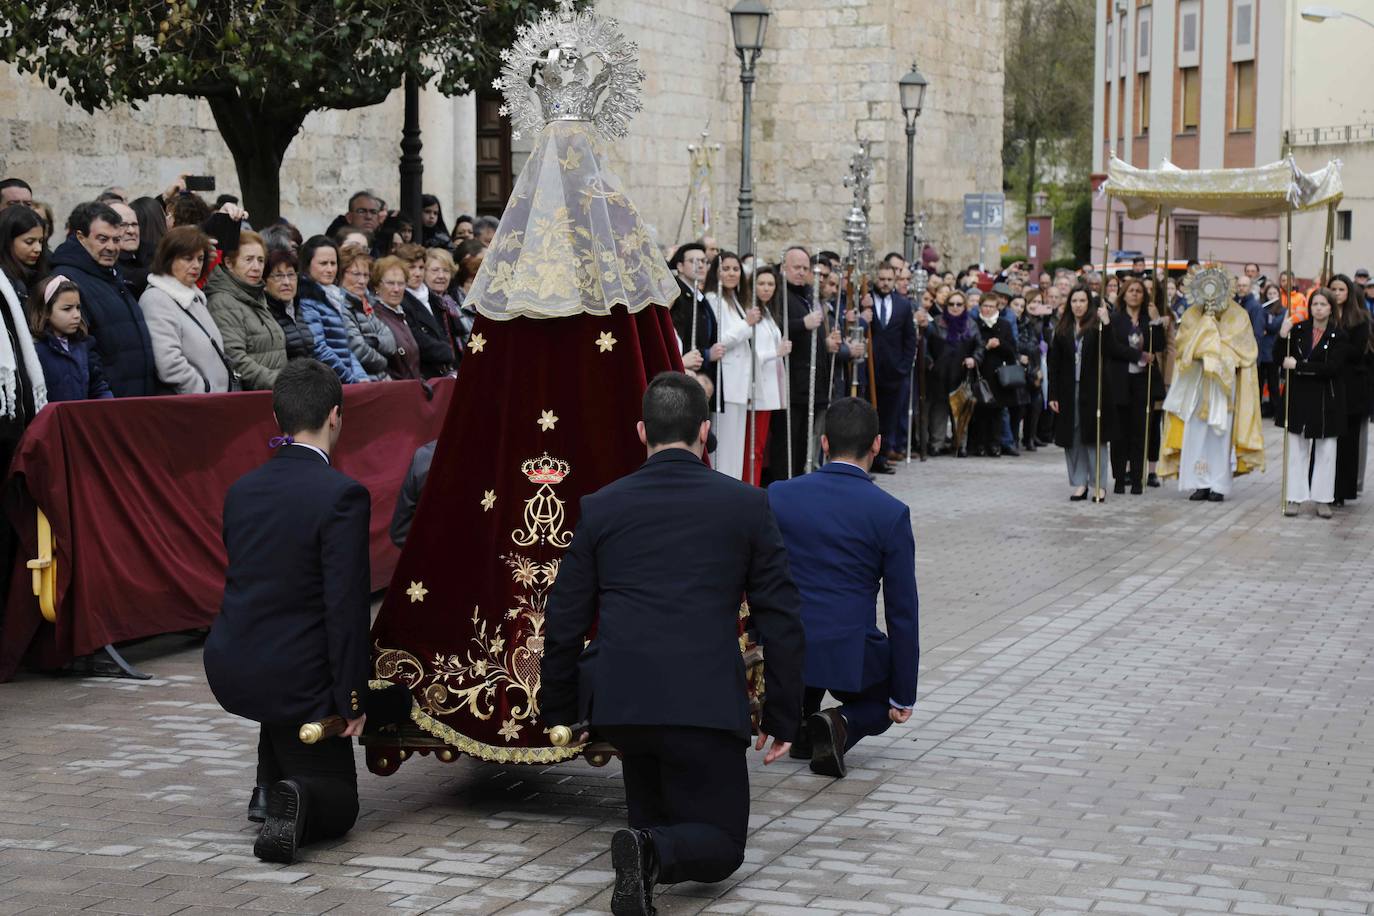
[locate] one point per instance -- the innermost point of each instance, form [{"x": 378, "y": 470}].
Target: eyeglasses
[
  {"x": 393, "y": 283},
  {"x": 366, "y": 211},
  {"x": 282, "y": 276},
  {"x": 356, "y": 273}
]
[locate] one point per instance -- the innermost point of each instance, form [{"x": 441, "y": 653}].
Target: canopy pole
[
  {"x": 1098, "y": 495},
  {"x": 1288, "y": 351},
  {"x": 1149, "y": 342}
]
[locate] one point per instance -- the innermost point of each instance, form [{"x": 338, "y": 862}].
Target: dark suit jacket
[
  {"x": 894, "y": 343},
  {"x": 408, "y": 500},
  {"x": 844, "y": 536},
  {"x": 290, "y": 643},
  {"x": 665, "y": 555},
  {"x": 436, "y": 354},
  {"x": 708, "y": 332}
]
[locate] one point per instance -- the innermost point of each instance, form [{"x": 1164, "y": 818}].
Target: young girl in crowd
[{"x": 67, "y": 353}]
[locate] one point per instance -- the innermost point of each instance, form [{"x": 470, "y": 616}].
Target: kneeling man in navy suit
[{"x": 844, "y": 537}]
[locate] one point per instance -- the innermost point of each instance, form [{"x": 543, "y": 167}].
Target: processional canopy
[{"x": 1269, "y": 190}]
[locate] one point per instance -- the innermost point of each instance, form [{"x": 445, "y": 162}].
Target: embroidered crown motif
[{"x": 545, "y": 469}]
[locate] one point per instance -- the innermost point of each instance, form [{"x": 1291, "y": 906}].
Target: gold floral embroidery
[
  {"x": 547, "y": 420},
  {"x": 416, "y": 592},
  {"x": 488, "y": 500},
  {"x": 476, "y": 343},
  {"x": 606, "y": 342}
]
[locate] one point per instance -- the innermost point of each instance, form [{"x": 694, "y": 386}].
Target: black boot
[
  {"x": 257, "y": 805},
  {"x": 828, "y": 738},
  {"x": 1200, "y": 496},
  {"x": 636, "y": 872}
]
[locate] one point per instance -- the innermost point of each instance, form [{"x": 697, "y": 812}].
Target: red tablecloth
[{"x": 134, "y": 489}]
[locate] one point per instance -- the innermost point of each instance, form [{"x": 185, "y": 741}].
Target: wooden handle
[{"x": 328, "y": 727}]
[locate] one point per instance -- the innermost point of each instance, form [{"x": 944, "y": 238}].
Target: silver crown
[{"x": 570, "y": 66}]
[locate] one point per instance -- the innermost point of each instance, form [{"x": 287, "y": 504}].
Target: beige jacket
[{"x": 187, "y": 355}]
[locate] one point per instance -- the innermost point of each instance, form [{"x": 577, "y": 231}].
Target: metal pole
[
  {"x": 909, "y": 227},
  {"x": 811, "y": 380},
  {"x": 787, "y": 363},
  {"x": 1149, "y": 341},
  {"x": 1288, "y": 351},
  {"x": 746, "y": 187},
  {"x": 412, "y": 165},
  {"x": 1106, "y": 248}
]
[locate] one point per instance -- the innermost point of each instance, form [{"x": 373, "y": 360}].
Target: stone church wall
[{"x": 827, "y": 78}]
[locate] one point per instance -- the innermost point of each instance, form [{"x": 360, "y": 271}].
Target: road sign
[{"x": 983, "y": 212}]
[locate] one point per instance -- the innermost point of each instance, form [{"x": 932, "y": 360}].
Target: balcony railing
[{"x": 1322, "y": 136}]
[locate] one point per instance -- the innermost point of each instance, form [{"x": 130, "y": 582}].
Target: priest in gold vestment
[{"x": 1212, "y": 410}]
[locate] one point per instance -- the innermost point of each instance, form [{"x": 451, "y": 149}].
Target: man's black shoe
[
  {"x": 636, "y": 872},
  {"x": 1200, "y": 496},
  {"x": 1153, "y": 481},
  {"x": 884, "y": 469},
  {"x": 285, "y": 825},
  {"x": 1119, "y": 487},
  {"x": 1215, "y": 497},
  {"x": 828, "y": 739},
  {"x": 1011, "y": 451},
  {"x": 257, "y": 805}
]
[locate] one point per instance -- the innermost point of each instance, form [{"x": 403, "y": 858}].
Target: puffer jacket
[
  {"x": 300, "y": 343},
  {"x": 331, "y": 330},
  {"x": 253, "y": 340},
  {"x": 371, "y": 341}
]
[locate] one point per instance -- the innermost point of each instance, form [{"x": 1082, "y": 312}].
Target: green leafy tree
[
  {"x": 1049, "y": 91},
  {"x": 262, "y": 66}
]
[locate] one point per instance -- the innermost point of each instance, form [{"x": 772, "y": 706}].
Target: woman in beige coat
[{"x": 188, "y": 349}]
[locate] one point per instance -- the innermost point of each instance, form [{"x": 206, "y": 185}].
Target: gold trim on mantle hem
[{"x": 474, "y": 748}]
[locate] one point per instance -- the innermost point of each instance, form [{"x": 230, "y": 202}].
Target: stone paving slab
[{"x": 1151, "y": 707}]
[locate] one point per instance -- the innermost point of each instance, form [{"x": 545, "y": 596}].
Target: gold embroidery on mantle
[
  {"x": 544, "y": 515},
  {"x": 472, "y": 681}
]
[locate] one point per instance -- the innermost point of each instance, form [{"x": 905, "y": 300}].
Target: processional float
[
  {"x": 1277, "y": 189},
  {"x": 573, "y": 322}
]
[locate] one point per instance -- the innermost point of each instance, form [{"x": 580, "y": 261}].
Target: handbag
[
  {"x": 982, "y": 391},
  {"x": 1011, "y": 375}
]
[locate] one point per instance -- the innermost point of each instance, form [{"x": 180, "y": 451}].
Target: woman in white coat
[
  {"x": 188, "y": 348},
  {"x": 770, "y": 371},
  {"x": 727, "y": 291}
]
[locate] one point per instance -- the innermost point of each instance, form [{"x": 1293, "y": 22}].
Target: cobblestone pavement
[{"x": 1152, "y": 706}]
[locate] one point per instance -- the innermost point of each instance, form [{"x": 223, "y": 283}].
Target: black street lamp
[
  {"x": 913, "y": 95},
  {"x": 749, "y": 22},
  {"x": 412, "y": 165}
]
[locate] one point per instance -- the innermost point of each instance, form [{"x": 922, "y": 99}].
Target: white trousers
[
  {"x": 1205, "y": 461},
  {"x": 730, "y": 440},
  {"x": 1320, "y": 455}
]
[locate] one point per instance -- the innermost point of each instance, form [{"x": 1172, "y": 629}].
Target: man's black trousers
[
  {"x": 689, "y": 788},
  {"x": 325, "y": 771}
]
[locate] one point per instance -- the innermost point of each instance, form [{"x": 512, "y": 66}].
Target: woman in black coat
[
  {"x": 985, "y": 436},
  {"x": 954, "y": 347},
  {"x": 1136, "y": 336},
  {"x": 1314, "y": 354},
  {"x": 1075, "y": 393},
  {"x": 1351, "y": 316}
]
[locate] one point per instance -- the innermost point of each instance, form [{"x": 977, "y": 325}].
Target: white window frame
[
  {"x": 1242, "y": 51},
  {"x": 1144, "y": 42},
  {"x": 1111, "y": 46},
  {"x": 1186, "y": 57}
]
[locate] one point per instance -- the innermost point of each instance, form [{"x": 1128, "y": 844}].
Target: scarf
[
  {"x": 9, "y": 366},
  {"x": 957, "y": 328},
  {"x": 182, "y": 295}
]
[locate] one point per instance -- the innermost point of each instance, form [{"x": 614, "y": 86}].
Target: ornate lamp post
[
  {"x": 749, "y": 22},
  {"x": 412, "y": 166},
  {"x": 912, "y": 88}
]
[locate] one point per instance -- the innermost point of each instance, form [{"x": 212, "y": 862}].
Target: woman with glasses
[
  {"x": 281, "y": 299},
  {"x": 369, "y": 338},
  {"x": 389, "y": 283}
]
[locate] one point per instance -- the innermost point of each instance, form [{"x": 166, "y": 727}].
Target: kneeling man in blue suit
[{"x": 844, "y": 537}]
